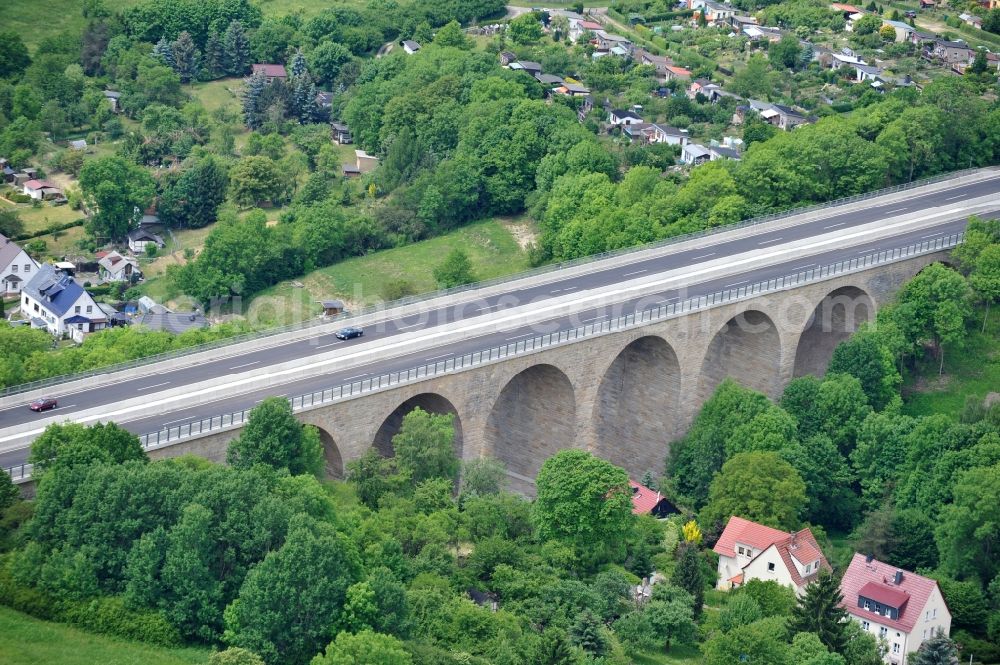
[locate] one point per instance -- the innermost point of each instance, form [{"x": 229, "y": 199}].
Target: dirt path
[{"x": 524, "y": 234}]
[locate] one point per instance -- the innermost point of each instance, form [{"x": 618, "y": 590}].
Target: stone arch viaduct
[{"x": 623, "y": 396}]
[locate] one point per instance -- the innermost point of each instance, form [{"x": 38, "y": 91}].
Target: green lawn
[
  {"x": 973, "y": 370},
  {"x": 217, "y": 94},
  {"x": 28, "y": 641},
  {"x": 62, "y": 243},
  {"x": 38, "y": 219},
  {"x": 35, "y": 21},
  {"x": 492, "y": 248}
]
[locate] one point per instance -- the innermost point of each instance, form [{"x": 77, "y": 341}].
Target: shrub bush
[{"x": 106, "y": 615}]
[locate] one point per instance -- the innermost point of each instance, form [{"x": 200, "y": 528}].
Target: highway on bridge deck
[{"x": 473, "y": 306}]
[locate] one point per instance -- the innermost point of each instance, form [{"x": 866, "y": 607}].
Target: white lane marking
[
  {"x": 412, "y": 325},
  {"x": 438, "y": 357},
  {"x": 593, "y": 318},
  {"x": 889, "y": 212},
  {"x": 952, "y": 198},
  {"x": 868, "y": 251},
  {"x": 171, "y": 422},
  {"x": 833, "y": 226},
  {"x": 665, "y": 301},
  {"x": 571, "y": 288},
  {"x": 808, "y": 265},
  {"x": 245, "y": 365},
  {"x": 736, "y": 283},
  {"x": 933, "y": 234},
  {"x": 156, "y": 385},
  {"x": 555, "y": 290},
  {"x": 636, "y": 272},
  {"x": 323, "y": 346},
  {"x": 519, "y": 336},
  {"x": 62, "y": 406},
  {"x": 703, "y": 256},
  {"x": 479, "y": 309},
  {"x": 351, "y": 378},
  {"x": 768, "y": 242}
]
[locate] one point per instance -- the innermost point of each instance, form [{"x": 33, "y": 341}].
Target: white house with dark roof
[
  {"x": 139, "y": 239},
  {"x": 695, "y": 153},
  {"x": 619, "y": 117},
  {"x": 901, "y": 607},
  {"x": 16, "y": 267},
  {"x": 670, "y": 135},
  {"x": 55, "y": 298},
  {"x": 751, "y": 551},
  {"x": 410, "y": 46},
  {"x": 115, "y": 267}
]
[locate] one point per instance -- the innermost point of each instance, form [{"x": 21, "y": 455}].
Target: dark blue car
[{"x": 349, "y": 333}]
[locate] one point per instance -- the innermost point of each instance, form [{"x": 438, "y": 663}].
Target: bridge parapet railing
[
  {"x": 409, "y": 300},
  {"x": 218, "y": 423}
]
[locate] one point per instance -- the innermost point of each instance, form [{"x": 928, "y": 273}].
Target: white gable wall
[
  {"x": 759, "y": 569},
  {"x": 23, "y": 266}
]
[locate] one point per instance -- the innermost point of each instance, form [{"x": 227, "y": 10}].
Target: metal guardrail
[
  {"x": 170, "y": 435},
  {"x": 541, "y": 270}
]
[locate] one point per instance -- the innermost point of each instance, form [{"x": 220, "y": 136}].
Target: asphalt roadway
[{"x": 472, "y": 307}]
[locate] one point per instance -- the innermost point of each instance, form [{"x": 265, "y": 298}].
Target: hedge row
[
  {"x": 105, "y": 615},
  {"x": 51, "y": 229}
]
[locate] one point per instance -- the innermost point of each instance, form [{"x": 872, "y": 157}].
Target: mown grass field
[
  {"x": 971, "y": 371},
  {"x": 35, "y": 21},
  {"x": 361, "y": 281},
  {"x": 39, "y": 219},
  {"x": 28, "y": 641}
]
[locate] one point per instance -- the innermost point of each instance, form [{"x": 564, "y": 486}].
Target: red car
[{"x": 43, "y": 404}]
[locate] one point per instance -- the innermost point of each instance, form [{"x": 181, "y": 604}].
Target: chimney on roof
[
  {"x": 897, "y": 579},
  {"x": 869, "y": 559}
]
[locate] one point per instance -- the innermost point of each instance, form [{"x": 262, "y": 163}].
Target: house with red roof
[
  {"x": 750, "y": 551},
  {"x": 647, "y": 502},
  {"x": 41, "y": 190},
  {"x": 901, "y": 607},
  {"x": 271, "y": 72}
]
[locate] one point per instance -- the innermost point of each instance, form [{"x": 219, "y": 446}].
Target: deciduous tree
[
  {"x": 118, "y": 192},
  {"x": 364, "y": 648},
  {"x": 272, "y": 436},
  {"x": 14, "y": 58},
  {"x": 315, "y": 566},
  {"x": 193, "y": 199},
  {"x": 455, "y": 270},
  {"x": 583, "y": 501},
  {"x": 425, "y": 446},
  {"x": 759, "y": 486}
]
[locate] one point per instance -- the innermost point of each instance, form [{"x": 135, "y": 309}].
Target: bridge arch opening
[
  {"x": 429, "y": 402},
  {"x": 636, "y": 411},
  {"x": 533, "y": 418},
  {"x": 333, "y": 460},
  {"x": 840, "y": 313},
  {"x": 747, "y": 349}
]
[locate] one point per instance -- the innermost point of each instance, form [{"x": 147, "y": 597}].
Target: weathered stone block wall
[{"x": 624, "y": 395}]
